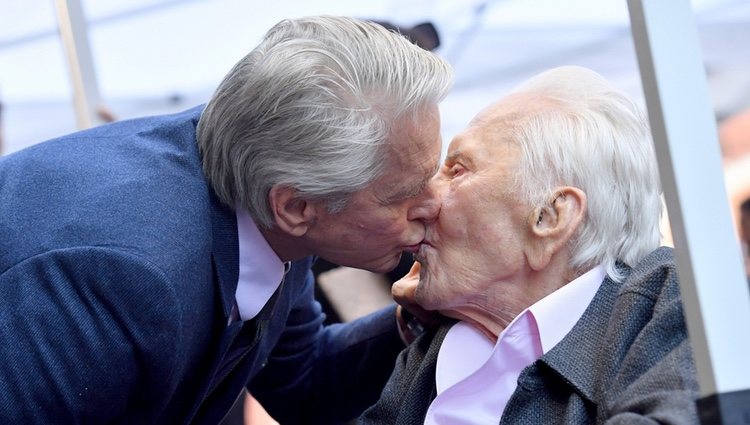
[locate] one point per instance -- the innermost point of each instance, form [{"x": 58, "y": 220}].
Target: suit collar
[
  {"x": 225, "y": 251},
  {"x": 576, "y": 357},
  {"x": 585, "y": 356}
]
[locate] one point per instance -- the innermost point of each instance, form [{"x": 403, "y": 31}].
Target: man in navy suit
[{"x": 153, "y": 268}]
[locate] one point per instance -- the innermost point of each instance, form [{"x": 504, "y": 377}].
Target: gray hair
[
  {"x": 584, "y": 133},
  {"x": 312, "y": 108}
]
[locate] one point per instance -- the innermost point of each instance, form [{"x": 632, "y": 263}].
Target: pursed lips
[
  {"x": 413, "y": 248},
  {"x": 419, "y": 255}
]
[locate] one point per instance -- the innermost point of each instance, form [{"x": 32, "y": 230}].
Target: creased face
[
  {"x": 388, "y": 217},
  {"x": 474, "y": 251}
]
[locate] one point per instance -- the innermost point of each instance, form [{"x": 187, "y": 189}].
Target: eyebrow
[
  {"x": 456, "y": 155},
  {"x": 459, "y": 155}
]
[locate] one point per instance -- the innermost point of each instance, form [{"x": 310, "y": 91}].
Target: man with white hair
[
  {"x": 151, "y": 269},
  {"x": 546, "y": 252}
]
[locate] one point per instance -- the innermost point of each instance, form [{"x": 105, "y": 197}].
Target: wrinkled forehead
[
  {"x": 413, "y": 151},
  {"x": 512, "y": 110},
  {"x": 491, "y": 124},
  {"x": 484, "y": 145},
  {"x": 415, "y": 138},
  {"x": 502, "y": 120}
]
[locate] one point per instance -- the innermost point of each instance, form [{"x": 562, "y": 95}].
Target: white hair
[
  {"x": 312, "y": 107},
  {"x": 582, "y": 132}
]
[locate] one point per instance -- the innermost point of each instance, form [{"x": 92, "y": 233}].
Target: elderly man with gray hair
[
  {"x": 151, "y": 269},
  {"x": 546, "y": 251}
]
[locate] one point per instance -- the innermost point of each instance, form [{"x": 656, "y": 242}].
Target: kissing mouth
[
  {"x": 420, "y": 254},
  {"x": 413, "y": 249},
  {"x": 418, "y": 247}
]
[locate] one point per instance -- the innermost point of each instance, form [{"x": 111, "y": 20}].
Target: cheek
[
  {"x": 493, "y": 238},
  {"x": 380, "y": 221},
  {"x": 466, "y": 212},
  {"x": 386, "y": 227},
  {"x": 453, "y": 219},
  {"x": 490, "y": 225}
]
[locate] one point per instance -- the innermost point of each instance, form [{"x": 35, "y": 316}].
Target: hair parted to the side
[
  {"x": 585, "y": 133},
  {"x": 311, "y": 107}
]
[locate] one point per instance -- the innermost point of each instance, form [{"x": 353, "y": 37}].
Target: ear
[
  {"x": 554, "y": 224},
  {"x": 292, "y": 214}
]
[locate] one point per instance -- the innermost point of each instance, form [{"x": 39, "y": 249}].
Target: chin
[
  {"x": 422, "y": 297},
  {"x": 385, "y": 265}
]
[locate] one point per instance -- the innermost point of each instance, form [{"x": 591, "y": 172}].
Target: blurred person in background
[
  {"x": 734, "y": 137},
  {"x": 745, "y": 234}
]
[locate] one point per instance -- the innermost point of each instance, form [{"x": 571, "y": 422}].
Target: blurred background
[{"x": 157, "y": 56}]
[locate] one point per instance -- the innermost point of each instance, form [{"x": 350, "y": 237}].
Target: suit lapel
[
  {"x": 576, "y": 357},
  {"x": 225, "y": 262},
  {"x": 225, "y": 252}
]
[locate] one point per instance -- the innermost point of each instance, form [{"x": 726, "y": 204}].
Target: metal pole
[
  {"x": 74, "y": 35},
  {"x": 712, "y": 279}
]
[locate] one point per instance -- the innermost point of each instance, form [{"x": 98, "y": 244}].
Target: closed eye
[{"x": 456, "y": 170}]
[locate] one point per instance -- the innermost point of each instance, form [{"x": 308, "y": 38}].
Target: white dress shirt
[
  {"x": 261, "y": 270},
  {"x": 475, "y": 378}
]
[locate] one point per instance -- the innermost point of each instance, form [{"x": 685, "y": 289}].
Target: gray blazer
[{"x": 627, "y": 361}]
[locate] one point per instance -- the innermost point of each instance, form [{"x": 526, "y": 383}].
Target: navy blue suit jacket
[{"x": 118, "y": 268}]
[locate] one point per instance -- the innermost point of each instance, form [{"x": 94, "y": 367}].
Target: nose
[{"x": 427, "y": 206}]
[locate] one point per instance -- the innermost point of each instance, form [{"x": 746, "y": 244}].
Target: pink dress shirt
[
  {"x": 261, "y": 270},
  {"x": 475, "y": 378}
]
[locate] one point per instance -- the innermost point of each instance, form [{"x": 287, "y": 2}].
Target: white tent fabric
[{"x": 154, "y": 56}]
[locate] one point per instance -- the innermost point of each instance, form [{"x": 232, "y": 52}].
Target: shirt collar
[
  {"x": 558, "y": 312},
  {"x": 261, "y": 270}
]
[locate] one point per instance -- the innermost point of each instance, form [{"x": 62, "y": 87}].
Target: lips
[
  {"x": 413, "y": 248},
  {"x": 420, "y": 254},
  {"x": 419, "y": 249}
]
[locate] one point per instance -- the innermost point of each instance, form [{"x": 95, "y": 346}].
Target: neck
[
  {"x": 495, "y": 309},
  {"x": 490, "y": 324},
  {"x": 287, "y": 247}
]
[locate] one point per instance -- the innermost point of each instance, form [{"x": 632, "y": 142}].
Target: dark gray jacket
[{"x": 627, "y": 361}]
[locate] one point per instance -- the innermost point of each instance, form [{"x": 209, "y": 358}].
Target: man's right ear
[{"x": 292, "y": 214}]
